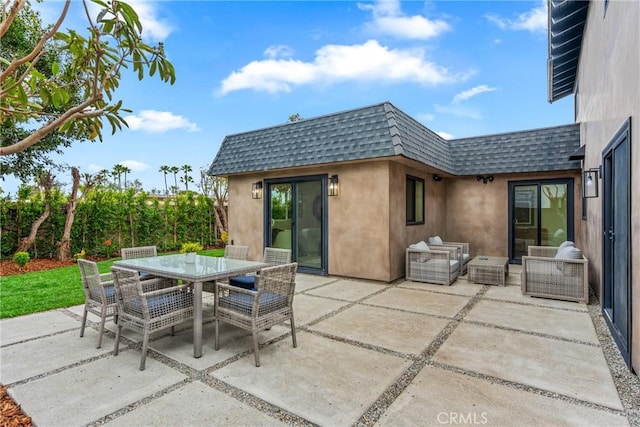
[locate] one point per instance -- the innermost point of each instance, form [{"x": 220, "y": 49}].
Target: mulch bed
[
  {"x": 8, "y": 267},
  {"x": 10, "y": 413}
]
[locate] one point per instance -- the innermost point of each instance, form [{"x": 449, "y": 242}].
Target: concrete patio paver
[
  {"x": 88, "y": 392},
  {"x": 514, "y": 293},
  {"x": 35, "y": 325},
  {"x": 575, "y": 370},
  {"x": 326, "y": 382},
  {"x": 418, "y": 301},
  {"x": 394, "y": 330},
  {"x": 566, "y": 324},
  {"x": 349, "y": 290},
  {"x": 439, "y": 397},
  {"x": 195, "y": 404},
  {"x": 398, "y": 353},
  {"x": 32, "y": 358}
]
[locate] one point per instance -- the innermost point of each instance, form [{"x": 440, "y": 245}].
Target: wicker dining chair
[
  {"x": 272, "y": 256},
  {"x": 147, "y": 306},
  {"x": 255, "y": 310},
  {"x": 100, "y": 295},
  {"x": 236, "y": 252},
  {"x": 138, "y": 252}
]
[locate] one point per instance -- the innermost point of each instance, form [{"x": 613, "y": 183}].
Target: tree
[
  {"x": 19, "y": 40},
  {"x": 125, "y": 171},
  {"x": 175, "y": 170},
  {"x": 295, "y": 117},
  {"x": 165, "y": 170},
  {"x": 95, "y": 64},
  {"x": 186, "y": 179},
  {"x": 64, "y": 245},
  {"x": 46, "y": 183}
]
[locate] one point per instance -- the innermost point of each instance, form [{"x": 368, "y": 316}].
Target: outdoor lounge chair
[
  {"x": 100, "y": 295},
  {"x": 548, "y": 273},
  {"x": 272, "y": 256},
  {"x": 147, "y": 306},
  {"x": 464, "y": 254},
  {"x": 255, "y": 310},
  {"x": 428, "y": 264}
]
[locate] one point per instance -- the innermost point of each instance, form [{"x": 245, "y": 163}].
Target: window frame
[{"x": 418, "y": 208}]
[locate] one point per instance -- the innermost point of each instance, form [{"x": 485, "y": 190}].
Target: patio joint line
[
  {"x": 535, "y": 334},
  {"x": 526, "y": 304},
  {"x": 138, "y": 403},
  {"x": 402, "y": 310},
  {"x": 372, "y": 414},
  {"x": 525, "y": 387},
  {"x": 53, "y": 334},
  {"x": 256, "y": 402}
]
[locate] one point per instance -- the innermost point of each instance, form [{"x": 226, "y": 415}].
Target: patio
[{"x": 369, "y": 353}]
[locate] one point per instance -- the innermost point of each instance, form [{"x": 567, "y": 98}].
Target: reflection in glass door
[
  {"x": 296, "y": 218},
  {"x": 540, "y": 213}
]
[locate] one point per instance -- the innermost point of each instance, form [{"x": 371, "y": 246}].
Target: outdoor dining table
[{"x": 204, "y": 269}]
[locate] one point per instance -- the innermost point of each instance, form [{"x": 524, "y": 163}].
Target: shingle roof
[
  {"x": 382, "y": 130},
  {"x": 536, "y": 150}
]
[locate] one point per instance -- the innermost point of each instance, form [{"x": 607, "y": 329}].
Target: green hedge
[{"x": 126, "y": 218}]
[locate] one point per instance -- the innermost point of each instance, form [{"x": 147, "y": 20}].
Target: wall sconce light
[
  {"x": 590, "y": 183},
  {"x": 256, "y": 190},
  {"x": 333, "y": 185},
  {"x": 437, "y": 178},
  {"x": 484, "y": 178}
]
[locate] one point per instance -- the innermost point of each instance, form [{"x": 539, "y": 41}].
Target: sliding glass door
[
  {"x": 295, "y": 213},
  {"x": 540, "y": 214}
]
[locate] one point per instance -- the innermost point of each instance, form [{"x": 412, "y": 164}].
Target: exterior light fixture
[
  {"x": 333, "y": 185},
  {"x": 590, "y": 183},
  {"x": 437, "y": 178},
  {"x": 484, "y": 178},
  {"x": 256, "y": 190}
]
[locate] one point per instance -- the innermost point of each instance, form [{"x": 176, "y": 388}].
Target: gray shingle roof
[
  {"x": 383, "y": 130},
  {"x": 536, "y": 150}
]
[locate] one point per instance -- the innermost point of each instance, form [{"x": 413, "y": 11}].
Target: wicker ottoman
[{"x": 489, "y": 270}]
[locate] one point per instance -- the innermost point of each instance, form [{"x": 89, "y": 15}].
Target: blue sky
[{"x": 462, "y": 68}]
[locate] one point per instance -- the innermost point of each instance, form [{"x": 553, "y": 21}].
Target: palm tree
[
  {"x": 175, "y": 170},
  {"x": 186, "y": 169},
  {"x": 125, "y": 171},
  {"x": 118, "y": 170},
  {"x": 165, "y": 170}
]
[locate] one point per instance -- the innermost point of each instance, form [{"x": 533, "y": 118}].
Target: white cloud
[
  {"x": 389, "y": 19},
  {"x": 153, "y": 27},
  {"x": 134, "y": 165},
  {"x": 279, "y": 51},
  {"x": 93, "y": 168},
  {"x": 534, "y": 20},
  {"x": 425, "y": 117},
  {"x": 445, "y": 135},
  {"x": 336, "y": 63},
  {"x": 469, "y": 93},
  {"x": 458, "y": 111},
  {"x": 159, "y": 121}
]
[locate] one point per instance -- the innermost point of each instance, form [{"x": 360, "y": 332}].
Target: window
[{"x": 415, "y": 200}]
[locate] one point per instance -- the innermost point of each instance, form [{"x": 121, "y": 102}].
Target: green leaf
[
  {"x": 55, "y": 68},
  {"x": 22, "y": 95}
]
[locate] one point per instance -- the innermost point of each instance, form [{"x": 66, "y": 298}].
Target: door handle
[{"x": 612, "y": 234}]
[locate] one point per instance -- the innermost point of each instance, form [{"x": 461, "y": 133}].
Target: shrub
[
  {"x": 224, "y": 236},
  {"x": 190, "y": 247},
  {"x": 21, "y": 258},
  {"x": 80, "y": 255}
]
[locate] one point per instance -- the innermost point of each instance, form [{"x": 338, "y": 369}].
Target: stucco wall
[
  {"x": 608, "y": 94},
  {"x": 478, "y": 213}
]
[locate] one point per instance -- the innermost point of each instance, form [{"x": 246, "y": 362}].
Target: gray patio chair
[
  {"x": 548, "y": 273},
  {"x": 464, "y": 254},
  {"x": 236, "y": 252},
  {"x": 99, "y": 294},
  {"x": 272, "y": 256},
  {"x": 147, "y": 306},
  {"x": 432, "y": 264},
  {"x": 138, "y": 252},
  {"x": 271, "y": 303}
]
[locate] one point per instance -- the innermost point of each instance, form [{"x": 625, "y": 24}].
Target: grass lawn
[{"x": 48, "y": 289}]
